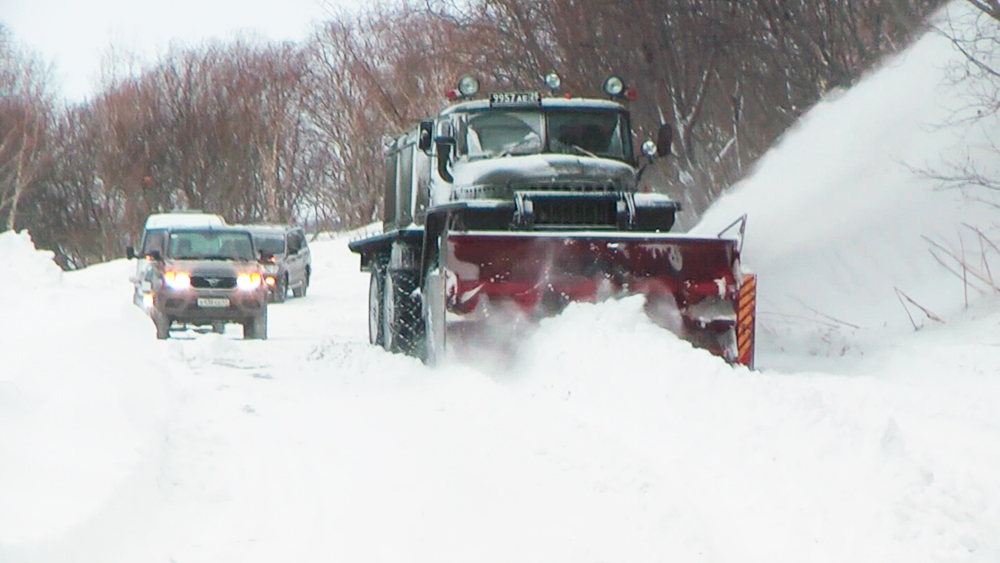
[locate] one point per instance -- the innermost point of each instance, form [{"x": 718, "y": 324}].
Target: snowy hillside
[
  {"x": 845, "y": 211},
  {"x": 604, "y": 438}
]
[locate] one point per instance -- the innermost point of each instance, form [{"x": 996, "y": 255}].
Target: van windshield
[{"x": 210, "y": 245}]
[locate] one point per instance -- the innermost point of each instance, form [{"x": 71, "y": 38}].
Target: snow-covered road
[{"x": 603, "y": 439}]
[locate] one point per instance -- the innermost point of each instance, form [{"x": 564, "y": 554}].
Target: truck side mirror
[
  {"x": 425, "y": 135},
  {"x": 155, "y": 255},
  {"x": 664, "y": 138},
  {"x": 444, "y": 138},
  {"x": 129, "y": 252},
  {"x": 445, "y": 134}
]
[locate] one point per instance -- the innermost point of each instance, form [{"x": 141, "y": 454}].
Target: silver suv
[{"x": 290, "y": 262}]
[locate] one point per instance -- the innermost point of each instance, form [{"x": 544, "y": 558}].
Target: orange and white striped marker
[{"x": 746, "y": 324}]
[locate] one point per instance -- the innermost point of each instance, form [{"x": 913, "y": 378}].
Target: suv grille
[{"x": 213, "y": 282}]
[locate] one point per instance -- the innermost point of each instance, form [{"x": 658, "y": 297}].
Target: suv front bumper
[{"x": 204, "y": 306}]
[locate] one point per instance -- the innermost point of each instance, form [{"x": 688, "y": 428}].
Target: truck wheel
[
  {"x": 375, "y": 308},
  {"x": 255, "y": 328},
  {"x": 162, "y": 325},
  {"x": 402, "y": 322}
]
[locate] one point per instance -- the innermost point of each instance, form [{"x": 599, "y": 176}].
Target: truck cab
[{"x": 524, "y": 161}]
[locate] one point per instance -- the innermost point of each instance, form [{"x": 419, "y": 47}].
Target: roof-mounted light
[
  {"x": 468, "y": 86},
  {"x": 614, "y": 86},
  {"x": 553, "y": 81}
]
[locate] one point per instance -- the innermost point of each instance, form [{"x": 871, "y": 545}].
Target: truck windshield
[
  {"x": 211, "y": 245},
  {"x": 597, "y": 133}
]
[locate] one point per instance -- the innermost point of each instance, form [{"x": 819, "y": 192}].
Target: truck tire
[
  {"x": 255, "y": 328},
  {"x": 162, "y": 325},
  {"x": 375, "y": 307},
  {"x": 402, "y": 319}
]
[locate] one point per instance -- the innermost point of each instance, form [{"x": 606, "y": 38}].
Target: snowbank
[
  {"x": 843, "y": 211},
  {"x": 24, "y": 266}
]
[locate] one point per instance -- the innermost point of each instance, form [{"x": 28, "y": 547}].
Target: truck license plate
[
  {"x": 514, "y": 99},
  {"x": 213, "y": 302}
]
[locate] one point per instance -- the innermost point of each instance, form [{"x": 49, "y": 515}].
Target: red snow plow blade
[{"x": 693, "y": 285}]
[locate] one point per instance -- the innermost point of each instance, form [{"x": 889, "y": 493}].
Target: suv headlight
[
  {"x": 248, "y": 282},
  {"x": 176, "y": 280}
]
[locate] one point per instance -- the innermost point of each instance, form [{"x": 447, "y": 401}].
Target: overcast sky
[{"x": 77, "y": 34}]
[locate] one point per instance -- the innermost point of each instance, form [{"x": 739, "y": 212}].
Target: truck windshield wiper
[{"x": 578, "y": 148}]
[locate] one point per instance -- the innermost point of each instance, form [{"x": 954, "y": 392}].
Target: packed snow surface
[{"x": 601, "y": 437}]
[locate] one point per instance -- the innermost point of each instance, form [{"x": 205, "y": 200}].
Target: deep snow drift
[
  {"x": 845, "y": 210},
  {"x": 605, "y": 438}
]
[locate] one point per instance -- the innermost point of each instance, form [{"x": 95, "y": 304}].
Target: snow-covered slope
[
  {"x": 847, "y": 209},
  {"x": 603, "y": 438}
]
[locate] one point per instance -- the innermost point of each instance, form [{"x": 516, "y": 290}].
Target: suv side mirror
[
  {"x": 265, "y": 257},
  {"x": 129, "y": 252}
]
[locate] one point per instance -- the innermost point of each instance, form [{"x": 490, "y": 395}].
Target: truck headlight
[
  {"x": 176, "y": 280},
  {"x": 248, "y": 282}
]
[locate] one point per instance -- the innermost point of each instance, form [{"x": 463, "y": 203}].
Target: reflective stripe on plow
[{"x": 746, "y": 310}]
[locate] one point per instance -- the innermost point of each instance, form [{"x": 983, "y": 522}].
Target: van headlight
[{"x": 249, "y": 281}]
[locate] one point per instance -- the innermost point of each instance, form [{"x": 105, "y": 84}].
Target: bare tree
[{"x": 26, "y": 113}]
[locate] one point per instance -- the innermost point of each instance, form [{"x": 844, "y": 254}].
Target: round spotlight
[
  {"x": 614, "y": 86},
  {"x": 468, "y": 85},
  {"x": 553, "y": 81}
]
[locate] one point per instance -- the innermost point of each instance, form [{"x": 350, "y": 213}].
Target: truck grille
[
  {"x": 570, "y": 187},
  {"x": 213, "y": 282},
  {"x": 500, "y": 191},
  {"x": 566, "y": 211}
]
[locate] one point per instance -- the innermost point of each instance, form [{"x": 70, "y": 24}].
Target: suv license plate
[{"x": 213, "y": 302}]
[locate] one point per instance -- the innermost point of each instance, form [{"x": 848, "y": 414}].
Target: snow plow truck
[{"x": 527, "y": 201}]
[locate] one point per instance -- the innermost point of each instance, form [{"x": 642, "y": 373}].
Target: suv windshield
[
  {"x": 274, "y": 244},
  {"x": 212, "y": 245},
  {"x": 598, "y": 133}
]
